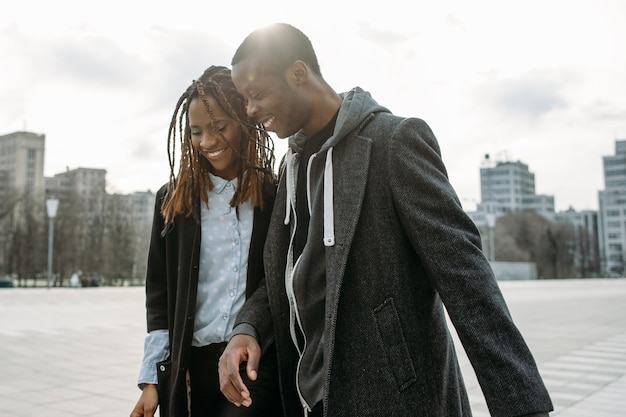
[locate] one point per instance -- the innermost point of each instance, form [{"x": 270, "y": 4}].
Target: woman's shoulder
[{"x": 162, "y": 190}]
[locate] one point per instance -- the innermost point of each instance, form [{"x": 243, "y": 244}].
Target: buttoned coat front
[
  {"x": 403, "y": 249},
  {"x": 171, "y": 287}
]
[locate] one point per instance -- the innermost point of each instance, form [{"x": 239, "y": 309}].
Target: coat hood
[{"x": 356, "y": 106}]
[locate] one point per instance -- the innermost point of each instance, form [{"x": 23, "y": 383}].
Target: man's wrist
[{"x": 245, "y": 328}]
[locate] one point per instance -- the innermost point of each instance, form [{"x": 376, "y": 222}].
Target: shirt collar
[{"x": 220, "y": 183}]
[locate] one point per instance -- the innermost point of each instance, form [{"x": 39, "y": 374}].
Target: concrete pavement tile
[
  {"x": 83, "y": 406},
  {"x": 580, "y": 386},
  {"x": 567, "y": 397}
]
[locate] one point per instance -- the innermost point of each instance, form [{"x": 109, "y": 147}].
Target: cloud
[
  {"x": 530, "y": 96},
  {"x": 456, "y": 22},
  {"x": 77, "y": 57},
  {"x": 606, "y": 110},
  {"x": 367, "y": 31},
  {"x": 93, "y": 60},
  {"x": 180, "y": 56}
]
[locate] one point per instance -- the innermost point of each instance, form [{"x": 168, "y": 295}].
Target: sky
[{"x": 539, "y": 81}]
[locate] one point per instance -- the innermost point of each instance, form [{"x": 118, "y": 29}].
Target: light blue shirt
[{"x": 222, "y": 277}]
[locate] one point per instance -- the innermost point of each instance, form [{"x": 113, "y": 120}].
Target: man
[{"x": 366, "y": 244}]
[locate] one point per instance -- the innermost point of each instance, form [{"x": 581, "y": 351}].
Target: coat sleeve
[
  {"x": 255, "y": 318},
  {"x": 156, "y": 272},
  {"x": 449, "y": 246},
  {"x": 256, "y": 314}
]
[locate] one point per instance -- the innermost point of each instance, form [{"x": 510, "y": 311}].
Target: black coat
[{"x": 171, "y": 285}]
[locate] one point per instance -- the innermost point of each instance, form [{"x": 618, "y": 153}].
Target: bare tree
[
  {"x": 24, "y": 244},
  {"x": 71, "y": 236},
  {"x": 522, "y": 230},
  {"x": 526, "y": 236},
  {"x": 118, "y": 246},
  {"x": 558, "y": 250},
  {"x": 11, "y": 201}
]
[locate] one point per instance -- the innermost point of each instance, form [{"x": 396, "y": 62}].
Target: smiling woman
[{"x": 209, "y": 227}]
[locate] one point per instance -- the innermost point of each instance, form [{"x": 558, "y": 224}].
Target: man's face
[{"x": 273, "y": 100}]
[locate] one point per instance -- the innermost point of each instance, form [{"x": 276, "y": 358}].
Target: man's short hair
[{"x": 276, "y": 47}]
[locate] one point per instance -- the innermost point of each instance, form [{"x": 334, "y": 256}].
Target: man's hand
[
  {"x": 148, "y": 402},
  {"x": 241, "y": 348}
]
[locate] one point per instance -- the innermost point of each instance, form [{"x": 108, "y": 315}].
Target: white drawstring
[
  {"x": 290, "y": 178},
  {"x": 329, "y": 214},
  {"x": 308, "y": 182}
]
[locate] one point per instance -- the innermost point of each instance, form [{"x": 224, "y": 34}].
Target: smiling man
[{"x": 367, "y": 243}]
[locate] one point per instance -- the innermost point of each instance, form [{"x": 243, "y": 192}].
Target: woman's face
[{"x": 224, "y": 157}]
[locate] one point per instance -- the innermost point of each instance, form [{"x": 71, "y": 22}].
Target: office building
[
  {"x": 612, "y": 211},
  {"x": 509, "y": 186}
]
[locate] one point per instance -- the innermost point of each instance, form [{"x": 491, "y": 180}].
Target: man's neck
[{"x": 324, "y": 109}]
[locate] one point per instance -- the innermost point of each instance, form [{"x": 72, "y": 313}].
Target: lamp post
[{"x": 52, "y": 205}]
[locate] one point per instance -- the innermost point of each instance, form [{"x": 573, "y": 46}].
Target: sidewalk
[{"x": 76, "y": 351}]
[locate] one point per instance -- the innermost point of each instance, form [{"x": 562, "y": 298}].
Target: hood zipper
[{"x": 294, "y": 317}]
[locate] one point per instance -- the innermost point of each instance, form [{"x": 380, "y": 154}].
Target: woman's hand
[{"x": 148, "y": 402}]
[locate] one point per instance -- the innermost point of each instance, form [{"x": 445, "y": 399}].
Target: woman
[{"x": 205, "y": 253}]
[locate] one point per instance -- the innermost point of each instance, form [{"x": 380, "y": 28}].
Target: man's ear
[{"x": 299, "y": 72}]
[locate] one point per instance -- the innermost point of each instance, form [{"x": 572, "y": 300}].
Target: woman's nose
[{"x": 208, "y": 139}]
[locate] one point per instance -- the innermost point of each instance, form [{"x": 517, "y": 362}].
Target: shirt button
[
  {"x": 232, "y": 293},
  {"x": 224, "y": 317},
  {"x": 235, "y": 242},
  {"x": 235, "y": 268}
]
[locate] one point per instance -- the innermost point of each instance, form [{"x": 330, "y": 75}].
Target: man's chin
[
  {"x": 281, "y": 135},
  {"x": 284, "y": 134}
]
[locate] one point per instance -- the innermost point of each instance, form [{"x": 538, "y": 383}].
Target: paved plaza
[{"x": 68, "y": 352}]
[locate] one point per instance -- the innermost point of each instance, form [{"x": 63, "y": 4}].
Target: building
[
  {"x": 612, "y": 211},
  {"x": 506, "y": 186},
  {"x": 86, "y": 186},
  {"x": 21, "y": 183},
  {"x": 585, "y": 248},
  {"x": 509, "y": 186},
  {"x": 21, "y": 160}
]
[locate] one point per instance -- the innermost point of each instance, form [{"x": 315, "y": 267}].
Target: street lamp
[{"x": 52, "y": 205}]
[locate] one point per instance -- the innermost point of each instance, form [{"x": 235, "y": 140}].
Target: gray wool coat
[{"x": 404, "y": 249}]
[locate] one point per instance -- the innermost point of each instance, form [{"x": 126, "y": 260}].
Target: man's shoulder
[
  {"x": 387, "y": 122},
  {"x": 380, "y": 127}
]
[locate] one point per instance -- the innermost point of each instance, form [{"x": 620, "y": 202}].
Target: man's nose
[{"x": 251, "y": 108}]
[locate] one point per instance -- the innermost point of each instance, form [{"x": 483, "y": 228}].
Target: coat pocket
[
  {"x": 394, "y": 344},
  {"x": 164, "y": 369}
]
